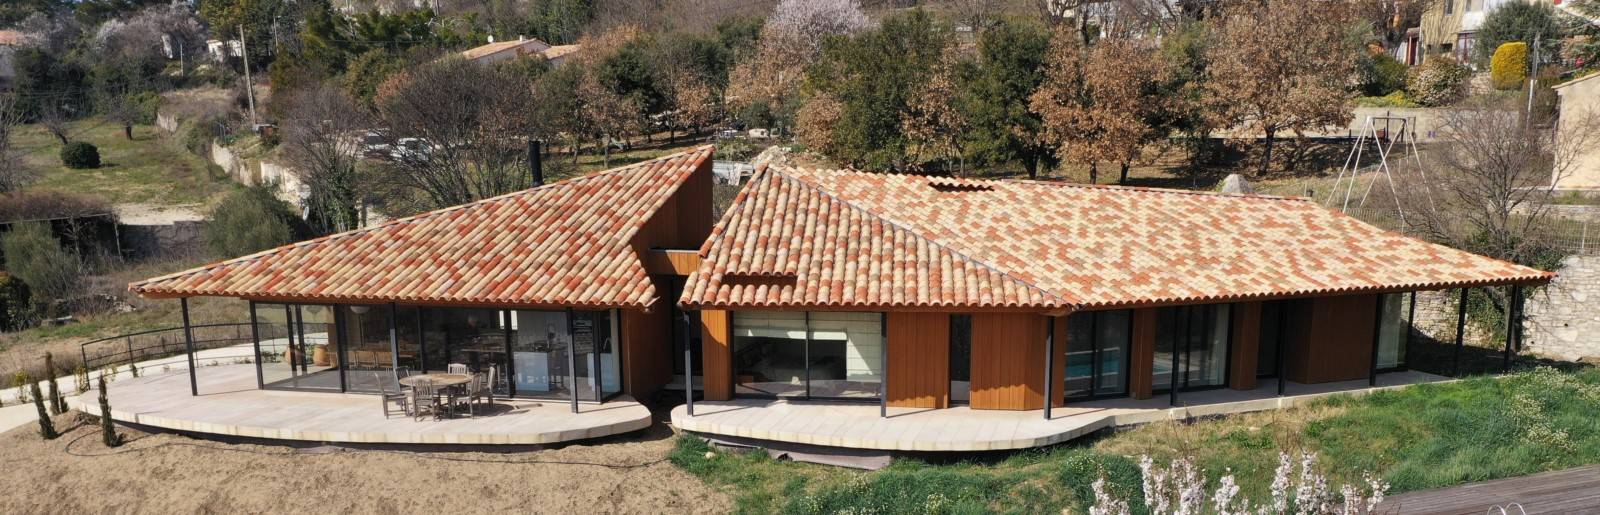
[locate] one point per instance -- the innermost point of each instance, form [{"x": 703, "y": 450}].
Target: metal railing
[{"x": 159, "y": 343}]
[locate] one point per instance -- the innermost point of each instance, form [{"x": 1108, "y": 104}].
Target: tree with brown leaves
[
  {"x": 1280, "y": 66},
  {"x": 1098, "y": 102},
  {"x": 934, "y": 122}
]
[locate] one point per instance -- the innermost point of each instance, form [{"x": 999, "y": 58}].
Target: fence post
[{"x": 129, "y": 340}]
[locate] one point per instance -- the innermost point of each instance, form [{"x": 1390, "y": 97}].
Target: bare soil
[{"x": 169, "y": 473}]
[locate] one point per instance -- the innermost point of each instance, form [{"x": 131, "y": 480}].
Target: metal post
[
  {"x": 1049, "y": 364},
  {"x": 394, "y": 337},
  {"x": 343, "y": 347},
  {"x": 1411, "y": 323},
  {"x": 255, "y": 339},
  {"x": 1377, "y": 336},
  {"x": 883, "y": 364},
  {"x": 1172, "y": 377},
  {"x": 594, "y": 359},
  {"x": 1283, "y": 337},
  {"x": 688, "y": 372},
  {"x": 294, "y": 352},
  {"x": 188, "y": 340},
  {"x": 505, "y": 329},
  {"x": 806, "y": 353},
  {"x": 572, "y": 364},
  {"x": 1461, "y": 326},
  {"x": 422, "y": 345},
  {"x": 1512, "y": 325}
]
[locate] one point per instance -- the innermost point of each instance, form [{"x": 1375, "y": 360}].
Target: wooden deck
[
  {"x": 858, "y": 426},
  {"x": 230, "y": 404},
  {"x": 1563, "y": 491}
]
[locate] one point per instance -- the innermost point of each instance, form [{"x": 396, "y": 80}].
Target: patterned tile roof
[
  {"x": 845, "y": 239},
  {"x": 563, "y": 244}
]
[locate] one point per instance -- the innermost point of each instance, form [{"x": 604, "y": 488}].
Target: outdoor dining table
[{"x": 438, "y": 381}]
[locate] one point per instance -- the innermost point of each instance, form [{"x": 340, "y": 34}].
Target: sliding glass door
[
  {"x": 1097, "y": 347},
  {"x": 808, "y": 355},
  {"x": 1192, "y": 343}
]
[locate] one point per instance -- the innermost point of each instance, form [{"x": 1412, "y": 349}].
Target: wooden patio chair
[
  {"x": 457, "y": 368},
  {"x": 425, "y": 397},
  {"x": 392, "y": 394}
]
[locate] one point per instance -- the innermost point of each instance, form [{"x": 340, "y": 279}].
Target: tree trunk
[
  {"x": 1033, "y": 167},
  {"x": 127, "y": 130},
  {"x": 1094, "y": 172},
  {"x": 1266, "y": 157},
  {"x": 1124, "y": 178},
  {"x": 61, "y": 136}
]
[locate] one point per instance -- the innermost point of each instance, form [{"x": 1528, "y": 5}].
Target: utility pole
[
  {"x": 249, "y": 87},
  {"x": 1533, "y": 76}
]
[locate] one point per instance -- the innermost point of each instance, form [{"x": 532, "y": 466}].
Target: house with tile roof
[
  {"x": 920, "y": 293},
  {"x": 848, "y": 308},
  {"x": 563, "y": 292},
  {"x": 496, "y": 51}
]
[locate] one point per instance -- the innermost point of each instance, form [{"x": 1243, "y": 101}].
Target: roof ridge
[
  {"x": 892, "y": 223},
  {"x": 419, "y": 216},
  {"x": 1151, "y": 189}
]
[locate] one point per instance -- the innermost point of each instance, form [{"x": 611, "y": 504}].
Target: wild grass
[
  {"x": 148, "y": 169},
  {"x": 1423, "y": 437}
]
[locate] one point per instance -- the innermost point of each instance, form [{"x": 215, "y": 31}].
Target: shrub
[
  {"x": 15, "y": 307},
  {"x": 57, "y": 404},
  {"x": 1509, "y": 67},
  {"x": 47, "y": 429},
  {"x": 108, "y": 430},
  {"x": 34, "y": 255},
  {"x": 80, "y": 155},
  {"x": 46, "y": 204},
  {"x": 251, "y": 220},
  {"x": 1396, "y": 99},
  {"x": 1439, "y": 81},
  {"x": 1380, "y": 74}
]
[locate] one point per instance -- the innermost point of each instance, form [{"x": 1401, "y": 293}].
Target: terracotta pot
[{"x": 320, "y": 355}]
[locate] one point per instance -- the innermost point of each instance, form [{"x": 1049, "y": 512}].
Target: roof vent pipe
[{"x": 535, "y": 162}]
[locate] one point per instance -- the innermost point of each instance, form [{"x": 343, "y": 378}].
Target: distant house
[
  {"x": 1580, "y": 98},
  {"x": 558, "y": 54},
  {"x": 497, "y": 51},
  {"x": 1450, "y": 27},
  {"x": 221, "y": 50}
]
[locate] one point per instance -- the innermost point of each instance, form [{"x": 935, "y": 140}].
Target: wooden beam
[
  {"x": 1142, "y": 355},
  {"x": 1246, "y": 345}
]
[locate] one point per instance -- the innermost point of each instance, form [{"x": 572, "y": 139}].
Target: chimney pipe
[{"x": 536, "y": 162}]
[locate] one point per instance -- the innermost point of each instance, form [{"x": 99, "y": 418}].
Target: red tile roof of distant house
[
  {"x": 564, "y": 244},
  {"x": 799, "y": 238},
  {"x": 10, "y": 37},
  {"x": 500, "y": 46}
]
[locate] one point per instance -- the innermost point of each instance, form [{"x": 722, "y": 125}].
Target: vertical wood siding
[
  {"x": 919, "y": 360},
  {"x": 1142, "y": 355},
  {"x": 1007, "y": 372},
  {"x": 1246, "y": 345},
  {"x": 1332, "y": 340},
  {"x": 717, "y": 351}
]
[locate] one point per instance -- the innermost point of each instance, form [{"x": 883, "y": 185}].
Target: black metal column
[
  {"x": 394, "y": 337},
  {"x": 1513, "y": 325},
  {"x": 594, "y": 360},
  {"x": 688, "y": 370},
  {"x": 806, "y": 353},
  {"x": 1461, "y": 327},
  {"x": 255, "y": 340},
  {"x": 883, "y": 363},
  {"x": 422, "y": 344},
  {"x": 343, "y": 347},
  {"x": 296, "y": 365},
  {"x": 1050, "y": 365},
  {"x": 572, "y": 364},
  {"x": 505, "y": 329},
  {"x": 1172, "y": 379},
  {"x": 1377, "y": 336},
  {"x": 188, "y": 341},
  {"x": 1283, "y": 338}
]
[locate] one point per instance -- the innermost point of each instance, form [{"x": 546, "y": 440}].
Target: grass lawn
[
  {"x": 148, "y": 169},
  {"x": 1423, "y": 437}
]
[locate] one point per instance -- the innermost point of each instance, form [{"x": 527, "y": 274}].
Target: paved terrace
[
  {"x": 229, "y": 404},
  {"x": 858, "y": 426}
]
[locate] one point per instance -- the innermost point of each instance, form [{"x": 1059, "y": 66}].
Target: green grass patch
[
  {"x": 1423, "y": 437},
  {"x": 147, "y": 169}
]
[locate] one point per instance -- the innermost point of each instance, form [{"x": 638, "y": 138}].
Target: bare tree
[
  {"x": 322, "y": 139},
  {"x": 53, "y": 120},
  {"x": 459, "y": 130},
  {"x": 1390, "y": 18},
  {"x": 14, "y": 173},
  {"x": 1281, "y": 66}
]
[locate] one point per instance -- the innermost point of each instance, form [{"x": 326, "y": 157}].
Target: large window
[
  {"x": 1394, "y": 327},
  {"x": 296, "y": 349},
  {"x": 1191, "y": 349},
  {"x": 960, "y": 358},
  {"x": 817, "y": 355},
  {"x": 1097, "y": 347}
]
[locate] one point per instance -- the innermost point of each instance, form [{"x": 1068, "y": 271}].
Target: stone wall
[{"x": 1563, "y": 319}]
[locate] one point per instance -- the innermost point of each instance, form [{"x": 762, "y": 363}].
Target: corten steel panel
[
  {"x": 1007, "y": 355},
  {"x": 1333, "y": 339},
  {"x": 1246, "y": 345},
  {"x": 647, "y": 347},
  {"x": 717, "y": 352},
  {"x": 1142, "y": 355},
  {"x": 684, "y": 220},
  {"x": 671, "y": 262},
  {"x": 919, "y": 360}
]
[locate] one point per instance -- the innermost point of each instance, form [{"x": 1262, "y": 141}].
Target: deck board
[{"x": 1563, "y": 491}]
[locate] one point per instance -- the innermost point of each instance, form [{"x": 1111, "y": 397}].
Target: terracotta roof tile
[
  {"x": 567, "y": 243},
  {"x": 915, "y": 241}
]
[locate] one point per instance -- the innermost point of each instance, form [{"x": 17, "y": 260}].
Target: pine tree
[
  {"x": 47, "y": 429},
  {"x": 108, "y": 431}
]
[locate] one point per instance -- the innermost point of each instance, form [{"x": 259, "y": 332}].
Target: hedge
[{"x": 1508, "y": 69}]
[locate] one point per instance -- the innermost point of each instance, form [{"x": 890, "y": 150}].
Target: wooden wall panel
[
  {"x": 647, "y": 348},
  {"x": 1142, "y": 355},
  {"x": 1246, "y": 345},
  {"x": 919, "y": 360},
  {"x": 1006, "y": 353},
  {"x": 1332, "y": 339},
  {"x": 717, "y": 352}
]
